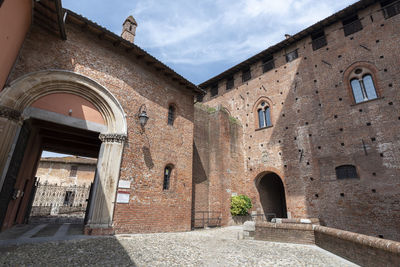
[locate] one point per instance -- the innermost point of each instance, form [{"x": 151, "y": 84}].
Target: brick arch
[
  {"x": 272, "y": 194},
  {"x": 255, "y": 106},
  {"x": 372, "y": 69}
]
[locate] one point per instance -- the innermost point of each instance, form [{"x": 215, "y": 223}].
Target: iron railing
[{"x": 203, "y": 219}]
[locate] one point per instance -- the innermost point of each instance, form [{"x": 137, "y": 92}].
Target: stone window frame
[
  {"x": 255, "y": 112},
  {"x": 366, "y": 69}
]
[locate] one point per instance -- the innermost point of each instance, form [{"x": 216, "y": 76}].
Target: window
[
  {"x": 362, "y": 85},
  {"x": 390, "y": 8},
  {"x": 351, "y": 25},
  {"x": 318, "y": 40},
  {"x": 230, "y": 83},
  {"x": 264, "y": 115},
  {"x": 69, "y": 198},
  {"x": 171, "y": 115},
  {"x": 292, "y": 56},
  {"x": 214, "y": 90},
  {"x": 199, "y": 98},
  {"x": 246, "y": 74},
  {"x": 74, "y": 171},
  {"x": 167, "y": 176},
  {"x": 268, "y": 64},
  {"x": 346, "y": 172}
]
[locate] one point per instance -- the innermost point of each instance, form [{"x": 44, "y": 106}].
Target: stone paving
[{"x": 213, "y": 247}]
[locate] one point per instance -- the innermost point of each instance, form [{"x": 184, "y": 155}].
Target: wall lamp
[{"x": 143, "y": 118}]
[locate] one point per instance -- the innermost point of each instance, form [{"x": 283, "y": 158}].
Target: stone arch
[
  {"x": 21, "y": 93},
  {"x": 255, "y": 113},
  {"x": 272, "y": 195}
]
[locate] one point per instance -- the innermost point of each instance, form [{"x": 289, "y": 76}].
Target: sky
[{"x": 199, "y": 39}]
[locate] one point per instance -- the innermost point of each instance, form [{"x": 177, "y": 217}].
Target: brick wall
[
  {"x": 316, "y": 126},
  {"x": 146, "y": 152},
  {"x": 217, "y": 162}
]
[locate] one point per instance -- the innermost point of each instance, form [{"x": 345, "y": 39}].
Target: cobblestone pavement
[{"x": 214, "y": 247}]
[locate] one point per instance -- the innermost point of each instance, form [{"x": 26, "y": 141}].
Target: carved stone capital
[
  {"x": 112, "y": 138},
  {"x": 10, "y": 114}
]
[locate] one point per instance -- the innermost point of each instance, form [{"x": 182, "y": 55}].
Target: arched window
[
  {"x": 264, "y": 115},
  {"x": 346, "y": 172},
  {"x": 362, "y": 85},
  {"x": 167, "y": 176},
  {"x": 171, "y": 115}
]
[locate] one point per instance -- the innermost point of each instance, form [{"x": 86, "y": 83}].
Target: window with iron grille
[
  {"x": 246, "y": 74},
  {"x": 214, "y": 90},
  {"x": 73, "y": 172},
  {"x": 230, "y": 83},
  {"x": 171, "y": 115},
  {"x": 318, "y": 40},
  {"x": 268, "y": 64},
  {"x": 351, "y": 25},
  {"x": 346, "y": 172},
  {"x": 167, "y": 176},
  {"x": 390, "y": 8},
  {"x": 292, "y": 56}
]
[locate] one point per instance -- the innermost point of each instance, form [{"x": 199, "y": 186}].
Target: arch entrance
[
  {"x": 88, "y": 121},
  {"x": 272, "y": 195}
]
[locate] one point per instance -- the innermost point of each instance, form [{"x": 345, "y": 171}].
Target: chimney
[
  {"x": 287, "y": 36},
  {"x": 129, "y": 29}
]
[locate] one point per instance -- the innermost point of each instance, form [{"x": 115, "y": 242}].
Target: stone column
[
  {"x": 10, "y": 124},
  {"x": 105, "y": 185}
]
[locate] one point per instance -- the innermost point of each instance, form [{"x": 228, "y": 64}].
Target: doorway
[
  {"x": 28, "y": 193},
  {"x": 272, "y": 196}
]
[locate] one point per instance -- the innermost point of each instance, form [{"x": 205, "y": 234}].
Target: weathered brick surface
[
  {"x": 147, "y": 152},
  {"x": 313, "y": 114},
  {"x": 287, "y": 233}
]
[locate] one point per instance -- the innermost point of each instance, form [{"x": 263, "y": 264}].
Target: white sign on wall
[
  {"x": 122, "y": 197},
  {"x": 124, "y": 184}
]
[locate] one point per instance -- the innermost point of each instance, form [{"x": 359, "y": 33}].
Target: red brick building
[
  {"x": 308, "y": 128},
  {"x": 319, "y": 115}
]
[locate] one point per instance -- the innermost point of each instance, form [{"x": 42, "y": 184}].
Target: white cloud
[{"x": 208, "y": 33}]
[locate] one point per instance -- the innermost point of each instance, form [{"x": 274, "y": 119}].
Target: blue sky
[{"x": 200, "y": 39}]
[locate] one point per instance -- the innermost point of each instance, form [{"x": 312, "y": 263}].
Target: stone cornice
[{"x": 112, "y": 138}]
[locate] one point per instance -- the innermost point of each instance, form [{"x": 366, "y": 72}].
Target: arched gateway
[
  {"x": 272, "y": 195},
  {"x": 21, "y": 142}
]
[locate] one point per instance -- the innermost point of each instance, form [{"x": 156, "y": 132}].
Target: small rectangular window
[
  {"x": 346, "y": 172},
  {"x": 69, "y": 198},
  {"x": 214, "y": 90},
  {"x": 246, "y": 74},
  {"x": 390, "y": 8},
  {"x": 268, "y": 64},
  {"x": 74, "y": 171},
  {"x": 351, "y": 25},
  {"x": 318, "y": 40},
  {"x": 292, "y": 56},
  {"x": 199, "y": 98},
  {"x": 230, "y": 83}
]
